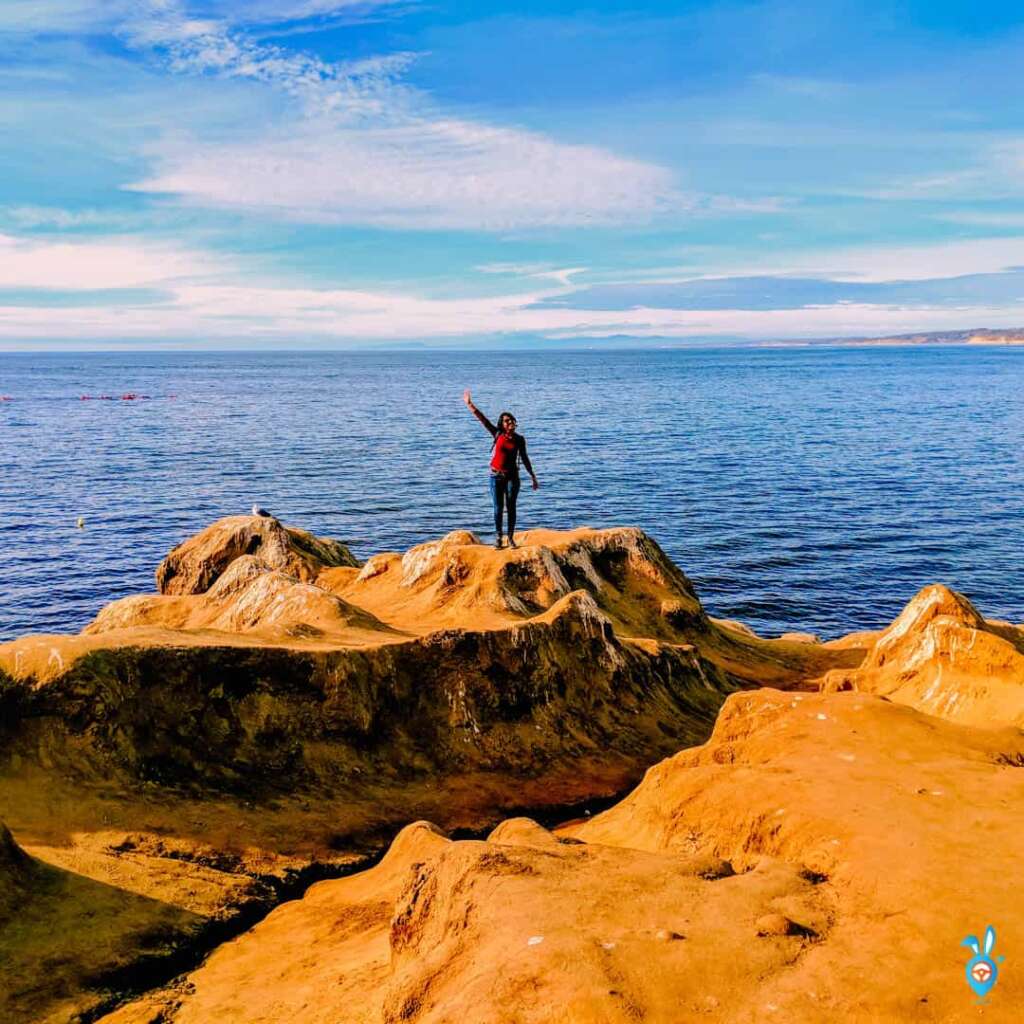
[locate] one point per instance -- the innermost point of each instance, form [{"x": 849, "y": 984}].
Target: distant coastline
[{"x": 978, "y": 336}]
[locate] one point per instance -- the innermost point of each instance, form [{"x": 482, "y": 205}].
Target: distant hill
[{"x": 975, "y": 336}]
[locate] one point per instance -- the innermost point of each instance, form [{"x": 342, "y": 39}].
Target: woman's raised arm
[{"x": 468, "y": 399}]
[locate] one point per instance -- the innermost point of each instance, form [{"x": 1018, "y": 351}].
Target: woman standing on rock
[{"x": 508, "y": 451}]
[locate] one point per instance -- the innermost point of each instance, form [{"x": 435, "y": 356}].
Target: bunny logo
[{"x": 981, "y": 969}]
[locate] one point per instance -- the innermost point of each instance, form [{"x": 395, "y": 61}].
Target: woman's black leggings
[{"x": 504, "y": 491}]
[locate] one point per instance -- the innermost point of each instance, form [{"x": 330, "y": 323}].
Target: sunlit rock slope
[
  {"x": 819, "y": 859},
  {"x": 942, "y": 656}
]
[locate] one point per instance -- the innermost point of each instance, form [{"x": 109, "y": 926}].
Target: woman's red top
[{"x": 506, "y": 451}]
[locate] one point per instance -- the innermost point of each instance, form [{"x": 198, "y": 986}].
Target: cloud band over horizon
[{"x": 328, "y": 171}]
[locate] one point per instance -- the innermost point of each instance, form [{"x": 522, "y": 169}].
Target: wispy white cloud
[
  {"x": 58, "y": 217},
  {"x": 65, "y": 16},
  {"x": 869, "y": 263},
  {"x": 958, "y": 184},
  {"x": 423, "y": 174},
  {"x": 277, "y": 11},
  {"x": 366, "y": 149},
  {"x": 205, "y": 296},
  {"x": 989, "y": 169},
  {"x": 541, "y": 271},
  {"x": 847, "y": 320},
  {"x": 712, "y": 204},
  {"x": 302, "y": 316},
  {"x": 983, "y": 219},
  {"x": 68, "y": 16},
  {"x": 100, "y": 264},
  {"x": 358, "y": 145},
  {"x": 348, "y": 89}
]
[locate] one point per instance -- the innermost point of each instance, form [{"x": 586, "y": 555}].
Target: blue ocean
[{"x": 807, "y": 488}]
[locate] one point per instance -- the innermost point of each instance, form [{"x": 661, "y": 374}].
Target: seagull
[{"x": 261, "y": 512}]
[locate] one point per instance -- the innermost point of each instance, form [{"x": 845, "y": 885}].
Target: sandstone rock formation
[
  {"x": 248, "y": 597},
  {"x": 77, "y": 921},
  {"x": 451, "y": 658},
  {"x": 194, "y": 565},
  {"x": 943, "y": 657},
  {"x": 277, "y": 714},
  {"x": 820, "y": 858}
]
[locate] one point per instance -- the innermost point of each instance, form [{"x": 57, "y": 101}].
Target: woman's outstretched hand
[
  {"x": 467, "y": 398},
  {"x": 536, "y": 483}
]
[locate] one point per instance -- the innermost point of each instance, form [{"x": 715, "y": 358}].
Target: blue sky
[{"x": 330, "y": 172}]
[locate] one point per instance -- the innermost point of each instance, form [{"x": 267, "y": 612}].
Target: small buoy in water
[
  {"x": 81, "y": 523},
  {"x": 261, "y": 512}
]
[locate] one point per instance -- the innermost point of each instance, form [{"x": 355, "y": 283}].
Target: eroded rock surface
[
  {"x": 80, "y": 921},
  {"x": 753, "y": 878},
  {"x": 943, "y": 657},
  {"x": 279, "y": 710},
  {"x": 15, "y": 873},
  {"x": 192, "y": 751},
  {"x": 248, "y": 597},
  {"x": 450, "y": 658},
  {"x": 195, "y": 565}
]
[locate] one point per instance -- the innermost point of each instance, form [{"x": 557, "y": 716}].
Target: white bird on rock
[{"x": 261, "y": 512}]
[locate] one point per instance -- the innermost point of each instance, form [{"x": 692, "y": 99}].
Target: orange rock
[
  {"x": 855, "y": 825},
  {"x": 453, "y": 657},
  {"x": 942, "y": 656},
  {"x": 194, "y": 565},
  {"x": 278, "y": 705},
  {"x": 779, "y": 924}
]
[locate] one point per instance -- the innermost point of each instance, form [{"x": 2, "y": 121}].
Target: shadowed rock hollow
[
  {"x": 15, "y": 873},
  {"x": 77, "y": 921}
]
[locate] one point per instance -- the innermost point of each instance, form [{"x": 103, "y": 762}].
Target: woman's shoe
[
  {"x": 512, "y": 542},
  {"x": 497, "y": 542}
]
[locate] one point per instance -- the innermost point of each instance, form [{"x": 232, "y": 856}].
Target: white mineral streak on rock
[
  {"x": 458, "y": 701},
  {"x": 699, "y": 666},
  {"x": 559, "y": 584},
  {"x": 908, "y": 619},
  {"x": 936, "y": 683},
  {"x": 375, "y": 565},
  {"x": 418, "y": 561},
  {"x": 581, "y": 560},
  {"x": 505, "y": 600}
]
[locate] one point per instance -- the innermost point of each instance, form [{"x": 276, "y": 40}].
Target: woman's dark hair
[{"x": 501, "y": 418}]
